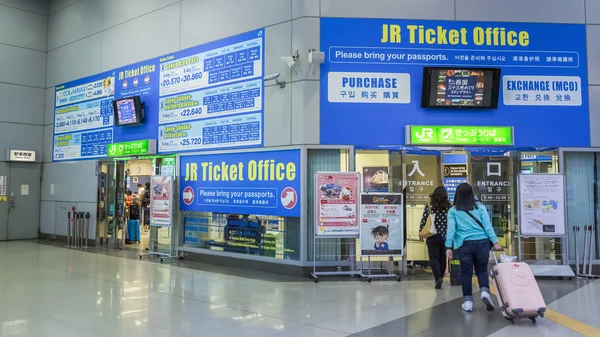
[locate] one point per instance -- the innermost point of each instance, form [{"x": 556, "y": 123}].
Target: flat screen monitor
[
  {"x": 128, "y": 111},
  {"x": 475, "y": 88}
]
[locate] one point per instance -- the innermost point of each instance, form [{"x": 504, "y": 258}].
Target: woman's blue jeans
[{"x": 474, "y": 254}]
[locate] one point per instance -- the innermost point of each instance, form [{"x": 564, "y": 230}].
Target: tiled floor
[{"x": 51, "y": 291}]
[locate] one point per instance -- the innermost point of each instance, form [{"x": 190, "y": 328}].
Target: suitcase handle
[{"x": 494, "y": 254}]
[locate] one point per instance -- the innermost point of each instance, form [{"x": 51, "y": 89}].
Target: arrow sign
[
  {"x": 188, "y": 195},
  {"x": 288, "y": 198}
]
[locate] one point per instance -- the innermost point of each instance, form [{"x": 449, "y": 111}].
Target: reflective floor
[{"x": 52, "y": 291}]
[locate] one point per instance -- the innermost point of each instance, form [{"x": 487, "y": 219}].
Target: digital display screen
[
  {"x": 126, "y": 113},
  {"x": 476, "y": 88}
]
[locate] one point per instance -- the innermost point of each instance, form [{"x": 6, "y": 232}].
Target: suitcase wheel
[{"x": 532, "y": 319}]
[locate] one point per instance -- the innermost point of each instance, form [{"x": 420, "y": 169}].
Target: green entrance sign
[
  {"x": 138, "y": 147},
  {"x": 459, "y": 135}
]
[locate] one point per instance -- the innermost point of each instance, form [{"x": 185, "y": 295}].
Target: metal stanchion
[
  {"x": 585, "y": 253},
  {"x": 87, "y": 228},
  {"x": 68, "y": 229},
  {"x": 591, "y": 253},
  {"x": 75, "y": 225},
  {"x": 575, "y": 237}
]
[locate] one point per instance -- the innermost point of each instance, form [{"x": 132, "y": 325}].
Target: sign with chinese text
[
  {"x": 422, "y": 177},
  {"x": 542, "y": 204},
  {"x": 490, "y": 175},
  {"x": 372, "y": 79},
  {"x": 262, "y": 183},
  {"x": 138, "y": 147},
  {"x": 336, "y": 206},
  {"x": 21, "y": 155},
  {"x": 460, "y": 135},
  {"x": 161, "y": 201},
  {"x": 381, "y": 224}
]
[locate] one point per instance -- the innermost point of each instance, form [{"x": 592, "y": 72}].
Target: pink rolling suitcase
[{"x": 519, "y": 295}]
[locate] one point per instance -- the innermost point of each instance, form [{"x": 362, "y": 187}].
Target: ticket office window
[
  {"x": 548, "y": 249},
  {"x": 250, "y": 234}
]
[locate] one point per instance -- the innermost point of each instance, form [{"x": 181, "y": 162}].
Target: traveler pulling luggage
[
  {"x": 519, "y": 295},
  {"x": 133, "y": 223}
]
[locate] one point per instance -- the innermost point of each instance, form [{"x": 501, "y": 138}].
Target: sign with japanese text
[
  {"x": 372, "y": 79},
  {"x": 381, "y": 224},
  {"x": 21, "y": 155},
  {"x": 542, "y": 204},
  {"x": 161, "y": 200},
  {"x": 422, "y": 177},
  {"x": 460, "y": 135},
  {"x": 336, "y": 206},
  {"x": 138, "y": 147},
  {"x": 455, "y": 172},
  {"x": 263, "y": 183},
  {"x": 490, "y": 176}
]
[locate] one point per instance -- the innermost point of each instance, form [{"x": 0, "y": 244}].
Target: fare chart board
[{"x": 206, "y": 97}]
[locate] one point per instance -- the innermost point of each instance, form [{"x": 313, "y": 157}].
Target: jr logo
[{"x": 426, "y": 134}]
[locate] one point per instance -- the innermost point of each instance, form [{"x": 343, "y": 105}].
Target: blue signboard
[
  {"x": 194, "y": 99},
  {"x": 264, "y": 183},
  {"x": 371, "y": 82}
]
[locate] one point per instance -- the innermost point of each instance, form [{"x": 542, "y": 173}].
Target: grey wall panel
[
  {"x": 305, "y": 112},
  {"x": 405, "y": 9},
  {"x": 21, "y": 104},
  {"x": 57, "y": 5},
  {"x": 36, "y": 6},
  {"x": 74, "y": 23},
  {"x": 305, "y": 36},
  {"x": 592, "y": 11},
  {"x": 118, "y": 11},
  {"x": 22, "y": 66},
  {"x": 595, "y": 116},
  {"x": 572, "y": 11},
  {"x": 62, "y": 210},
  {"x": 75, "y": 60},
  {"x": 48, "y": 143},
  {"x": 277, "y": 44},
  {"x": 22, "y": 28},
  {"x": 73, "y": 181},
  {"x": 20, "y": 136},
  {"x": 277, "y": 116},
  {"x": 48, "y": 217},
  {"x": 302, "y": 8},
  {"x": 49, "y": 106},
  {"x": 147, "y": 36},
  {"x": 593, "y": 54},
  {"x": 241, "y": 16}
]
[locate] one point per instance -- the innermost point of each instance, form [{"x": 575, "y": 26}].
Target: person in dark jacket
[{"x": 439, "y": 206}]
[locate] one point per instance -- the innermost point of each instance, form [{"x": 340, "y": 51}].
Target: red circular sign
[
  {"x": 188, "y": 195},
  {"x": 125, "y": 84},
  {"x": 289, "y": 198},
  {"x": 147, "y": 79},
  {"x": 135, "y": 82}
]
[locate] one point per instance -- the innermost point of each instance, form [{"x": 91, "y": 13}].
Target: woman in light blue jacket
[{"x": 470, "y": 232}]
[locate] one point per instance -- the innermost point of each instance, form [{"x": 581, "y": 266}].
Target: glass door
[
  {"x": 118, "y": 233},
  {"x": 106, "y": 198}
]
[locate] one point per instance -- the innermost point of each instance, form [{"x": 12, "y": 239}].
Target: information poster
[
  {"x": 455, "y": 172},
  {"x": 337, "y": 203},
  {"x": 542, "y": 204},
  {"x": 161, "y": 201},
  {"x": 3, "y": 188},
  {"x": 381, "y": 224}
]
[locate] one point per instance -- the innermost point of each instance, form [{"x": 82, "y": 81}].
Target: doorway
[{"x": 19, "y": 200}]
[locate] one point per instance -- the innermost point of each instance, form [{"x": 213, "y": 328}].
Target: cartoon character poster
[
  {"x": 337, "y": 203},
  {"x": 161, "y": 200},
  {"x": 375, "y": 179},
  {"x": 381, "y": 224}
]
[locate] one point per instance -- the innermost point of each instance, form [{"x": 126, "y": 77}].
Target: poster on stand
[
  {"x": 381, "y": 224},
  {"x": 542, "y": 204},
  {"x": 337, "y": 203},
  {"x": 161, "y": 201}
]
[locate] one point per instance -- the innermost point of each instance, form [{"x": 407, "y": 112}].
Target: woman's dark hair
[
  {"x": 464, "y": 199},
  {"x": 147, "y": 185},
  {"x": 129, "y": 192},
  {"x": 439, "y": 200}
]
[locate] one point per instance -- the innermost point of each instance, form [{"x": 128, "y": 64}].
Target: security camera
[
  {"x": 275, "y": 77},
  {"x": 289, "y": 60},
  {"x": 316, "y": 57}
]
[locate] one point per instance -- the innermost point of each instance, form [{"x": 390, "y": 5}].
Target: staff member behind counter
[{"x": 244, "y": 230}]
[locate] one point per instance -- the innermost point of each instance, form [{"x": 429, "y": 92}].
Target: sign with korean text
[
  {"x": 337, "y": 201},
  {"x": 262, "y": 183},
  {"x": 542, "y": 204},
  {"x": 422, "y": 176},
  {"x": 372, "y": 79},
  {"x": 460, "y": 135},
  {"x": 491, "y": 178},
  {"x": 138, "y": 147},
  {"x": 161, "y": 200},
  {"x": 381, "y": 224},
  {"x": 21, "y": 155}
]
